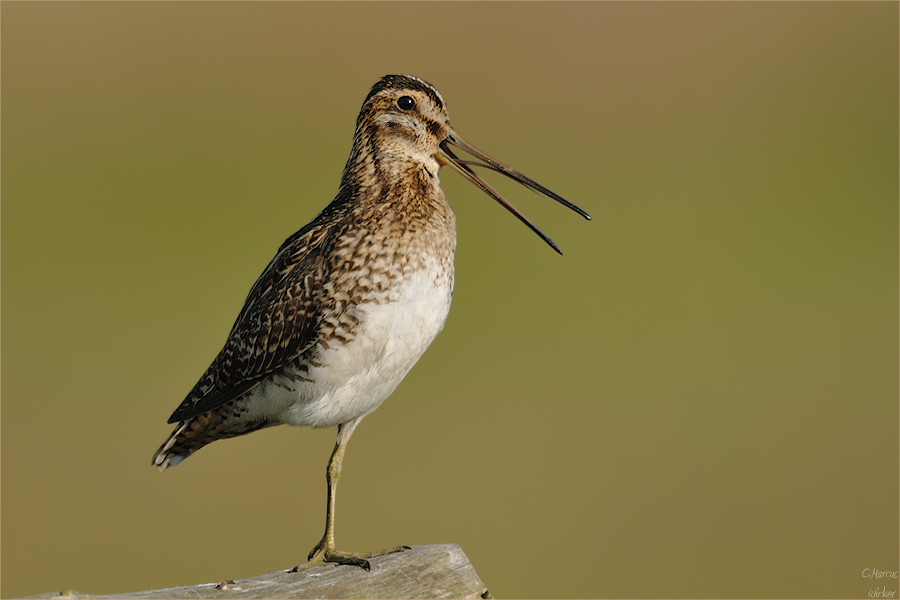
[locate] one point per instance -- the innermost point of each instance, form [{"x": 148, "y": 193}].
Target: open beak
[{"x": 445, "y": 156}]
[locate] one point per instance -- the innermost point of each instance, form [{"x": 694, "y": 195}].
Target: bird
[{"x": 352, "y": 300}]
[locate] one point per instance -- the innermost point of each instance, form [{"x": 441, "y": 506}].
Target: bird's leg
[{"x": 325, "y": 548}]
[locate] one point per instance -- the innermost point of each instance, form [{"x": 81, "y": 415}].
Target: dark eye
[{"x": 406, "y": 103}]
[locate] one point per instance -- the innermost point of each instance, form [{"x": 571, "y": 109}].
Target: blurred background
[{"x": 700, "y": 399}]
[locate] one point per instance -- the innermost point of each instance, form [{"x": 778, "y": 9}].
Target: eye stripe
[
  {"x": 433, "y": 127},
  {"x": 399, "y": 82}
]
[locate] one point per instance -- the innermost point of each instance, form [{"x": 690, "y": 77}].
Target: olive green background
[{"x": 700, "y": 399}]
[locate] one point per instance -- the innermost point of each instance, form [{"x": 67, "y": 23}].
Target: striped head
[
  {"x": 402, "y": 119},
  {"x": 405, "y": 119}
]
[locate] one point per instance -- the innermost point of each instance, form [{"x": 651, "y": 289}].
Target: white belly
[{"x": 356, "y": 377}]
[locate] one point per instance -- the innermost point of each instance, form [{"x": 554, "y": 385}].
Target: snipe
[{"x": 351, "y": 301}]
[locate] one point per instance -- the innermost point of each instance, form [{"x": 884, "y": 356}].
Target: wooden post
[{"x": 431, "y": 571}]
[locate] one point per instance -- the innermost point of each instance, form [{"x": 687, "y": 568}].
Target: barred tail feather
[
  {"x": 173, "y": 451},
  {"x": 194, "y": 433}
]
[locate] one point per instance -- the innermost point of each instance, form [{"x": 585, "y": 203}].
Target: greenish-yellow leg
[{"x": 325, "y": 548}]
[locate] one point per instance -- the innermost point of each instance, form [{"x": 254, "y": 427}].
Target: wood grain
[{"x": 430, "y": 571}]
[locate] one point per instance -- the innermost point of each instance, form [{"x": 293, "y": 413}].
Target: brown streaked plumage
[{"x": 351, "y": 301}]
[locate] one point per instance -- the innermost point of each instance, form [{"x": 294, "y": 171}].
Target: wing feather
[{"x": 278, "y": 322}]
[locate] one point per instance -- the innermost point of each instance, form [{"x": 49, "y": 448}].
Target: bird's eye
[{"x": 406, "y": 103}]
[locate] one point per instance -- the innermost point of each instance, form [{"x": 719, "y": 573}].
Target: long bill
[{"x": 463, "y": 167}]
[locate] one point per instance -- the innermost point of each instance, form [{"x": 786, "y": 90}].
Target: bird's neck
[
  {"x": 375, "y": 176},
  {"x": 397, "y": 201}
]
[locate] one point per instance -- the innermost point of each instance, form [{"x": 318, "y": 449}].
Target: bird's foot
[{"x": 356, "y": 559}]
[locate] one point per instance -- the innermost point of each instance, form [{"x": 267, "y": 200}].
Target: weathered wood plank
[{"x": 431, "y": 571}]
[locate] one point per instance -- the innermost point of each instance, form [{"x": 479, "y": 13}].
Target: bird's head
[{"x": 404, "y": 118}]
